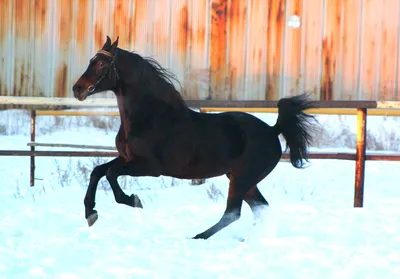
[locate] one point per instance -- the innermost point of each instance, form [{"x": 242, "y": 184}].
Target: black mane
[{"x": 152, "y": 78}]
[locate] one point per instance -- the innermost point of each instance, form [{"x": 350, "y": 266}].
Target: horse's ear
[
  {"x": 107, "y": 44},
  {"x": 114, "y": 46}
]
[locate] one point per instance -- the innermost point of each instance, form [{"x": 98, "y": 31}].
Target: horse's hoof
[
  {"x": 136, "y": 201},
  {"x": 92, "y": 219},
  {"x": 199, "y": 236}
]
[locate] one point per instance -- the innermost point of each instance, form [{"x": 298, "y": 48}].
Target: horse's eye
[{"x": 101, "y": 64}]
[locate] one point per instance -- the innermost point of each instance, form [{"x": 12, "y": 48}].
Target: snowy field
[{"x": 310, "y": 230}]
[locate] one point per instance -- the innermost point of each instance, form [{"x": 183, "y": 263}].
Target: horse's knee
[{"x": 111, "y": 175}]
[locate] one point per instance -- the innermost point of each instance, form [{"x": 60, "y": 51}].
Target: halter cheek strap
[{"x": 92, "y": 88}]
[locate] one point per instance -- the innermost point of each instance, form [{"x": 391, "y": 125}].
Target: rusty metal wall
[{"x": 219, "y": 49}]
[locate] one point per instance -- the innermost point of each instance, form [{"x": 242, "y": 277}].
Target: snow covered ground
[{"x": 310, "y": 230}]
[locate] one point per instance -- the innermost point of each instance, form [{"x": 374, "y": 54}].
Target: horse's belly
[{"x": 197, "y": 172}]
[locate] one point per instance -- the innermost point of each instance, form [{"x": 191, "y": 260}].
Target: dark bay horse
[{"x": 160, "y": 135}]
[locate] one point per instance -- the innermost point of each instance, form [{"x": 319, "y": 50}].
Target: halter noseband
[{"x": 92, "y": 88}]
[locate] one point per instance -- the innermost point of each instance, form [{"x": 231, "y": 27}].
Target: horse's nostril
[{"x": 77, "y": 88}]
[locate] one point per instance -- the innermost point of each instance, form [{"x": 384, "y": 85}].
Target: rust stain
[
  {"x": 159, "y": 34},
  {"x": 139, "y": 26},
  {"x": 351, "y": 17},
  {"x": 122, "y": 22},
  {"x": 21, "y": 18},
  {"x": 326, "y": 83},
  {"x": 20, "y": 78},
  {"x": 201, "y": 35},
  {"x": 41, "y": 7},
  {"x": 5, "y": 22},
  {"x": 98, "y": 36},
  {"x": 133, "y": 23},
  {"x": 83, "y": 6},
  {"x": 184, "y": 30},
  {"x": 61, "y": 81},
  {"x": 237, "y": 40},
  {"x": 64, "y": 23},
  {"x": 101, "y": 13},
  {"x": 292, "y": 70},
  {"x": 256, "y": 50},
  {"x": 276, "y": 11},
  {"x": 218, "y": 48},
  {"x": 197, "y": 80},
  {"x": 198, "y": 25},
  {"x": 331, "y": 50}
]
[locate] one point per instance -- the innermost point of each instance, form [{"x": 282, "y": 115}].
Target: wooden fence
[{"x": 63, "y": 106}]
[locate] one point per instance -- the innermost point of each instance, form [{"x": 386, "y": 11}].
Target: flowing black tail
[{"x": 296, "y": 126}]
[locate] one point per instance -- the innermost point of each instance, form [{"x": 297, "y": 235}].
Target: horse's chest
[{"x": 121, "y": 143}]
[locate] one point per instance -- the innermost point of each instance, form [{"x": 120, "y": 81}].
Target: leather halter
[{"x": 92, "y": 88}]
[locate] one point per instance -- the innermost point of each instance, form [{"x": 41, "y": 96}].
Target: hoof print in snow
[{"x": 92, "y": 219}]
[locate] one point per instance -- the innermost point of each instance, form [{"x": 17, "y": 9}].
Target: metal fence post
[
  {"x": 33, "y": 133},
  {"x": 360, "y": 156}
]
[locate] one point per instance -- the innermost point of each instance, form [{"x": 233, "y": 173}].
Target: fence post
[
  {"x": 33, "y": 133},
  {"x": 360, "y": 156}
]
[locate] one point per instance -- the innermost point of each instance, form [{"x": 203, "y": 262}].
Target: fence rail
[{"x": 65, "y": 106}]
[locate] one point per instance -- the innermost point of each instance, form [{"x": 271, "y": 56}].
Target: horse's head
[{"x": 101, "y": 74}]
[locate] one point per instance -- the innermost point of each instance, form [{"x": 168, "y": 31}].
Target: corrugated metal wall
[{"x": 219, "y": 49}]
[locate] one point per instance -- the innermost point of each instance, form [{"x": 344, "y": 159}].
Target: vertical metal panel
[
  {"x": 142, "y": 27},
  {"x": 237, "y": 43},
  {"x": 312, "y": 26},
  {"x": 101, "y": 18},
  {"x": 83, "y": 44},
  {"x": 388, "y": 57},
  {"x": 102, "y": 22},
  {"x": 62, "y": 47},
  {"x": 256, "y": 50},
  {"x": 351, "y": 45},
  {"x": 274, "y": 37},
  {"x": 330, "y": 83},
  {"x": 198, "y": 78},
  {"x": 121, "y": 23},
  {"x": 22, "y": 35},
  {"x": 161, "y": 31},
  {"x": 369, "y": 49},
  {"x": 6, "y": 50},
  {"x": 292, "y": 51},
  {"x": 218, "y": 47},
  {"x": 179, "y": 38},
  {"x": 42, "y": 67}
]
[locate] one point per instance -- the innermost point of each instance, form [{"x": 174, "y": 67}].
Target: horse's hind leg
[
  {"x": 240, "y": 188},
  {"x": 256, "y": 201},
  {"x": 232, "y": 211}
]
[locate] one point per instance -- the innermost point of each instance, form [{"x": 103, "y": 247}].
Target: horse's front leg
[
  {"x": 89, "y": 201},
  {"x": 112, "y": 170}
]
